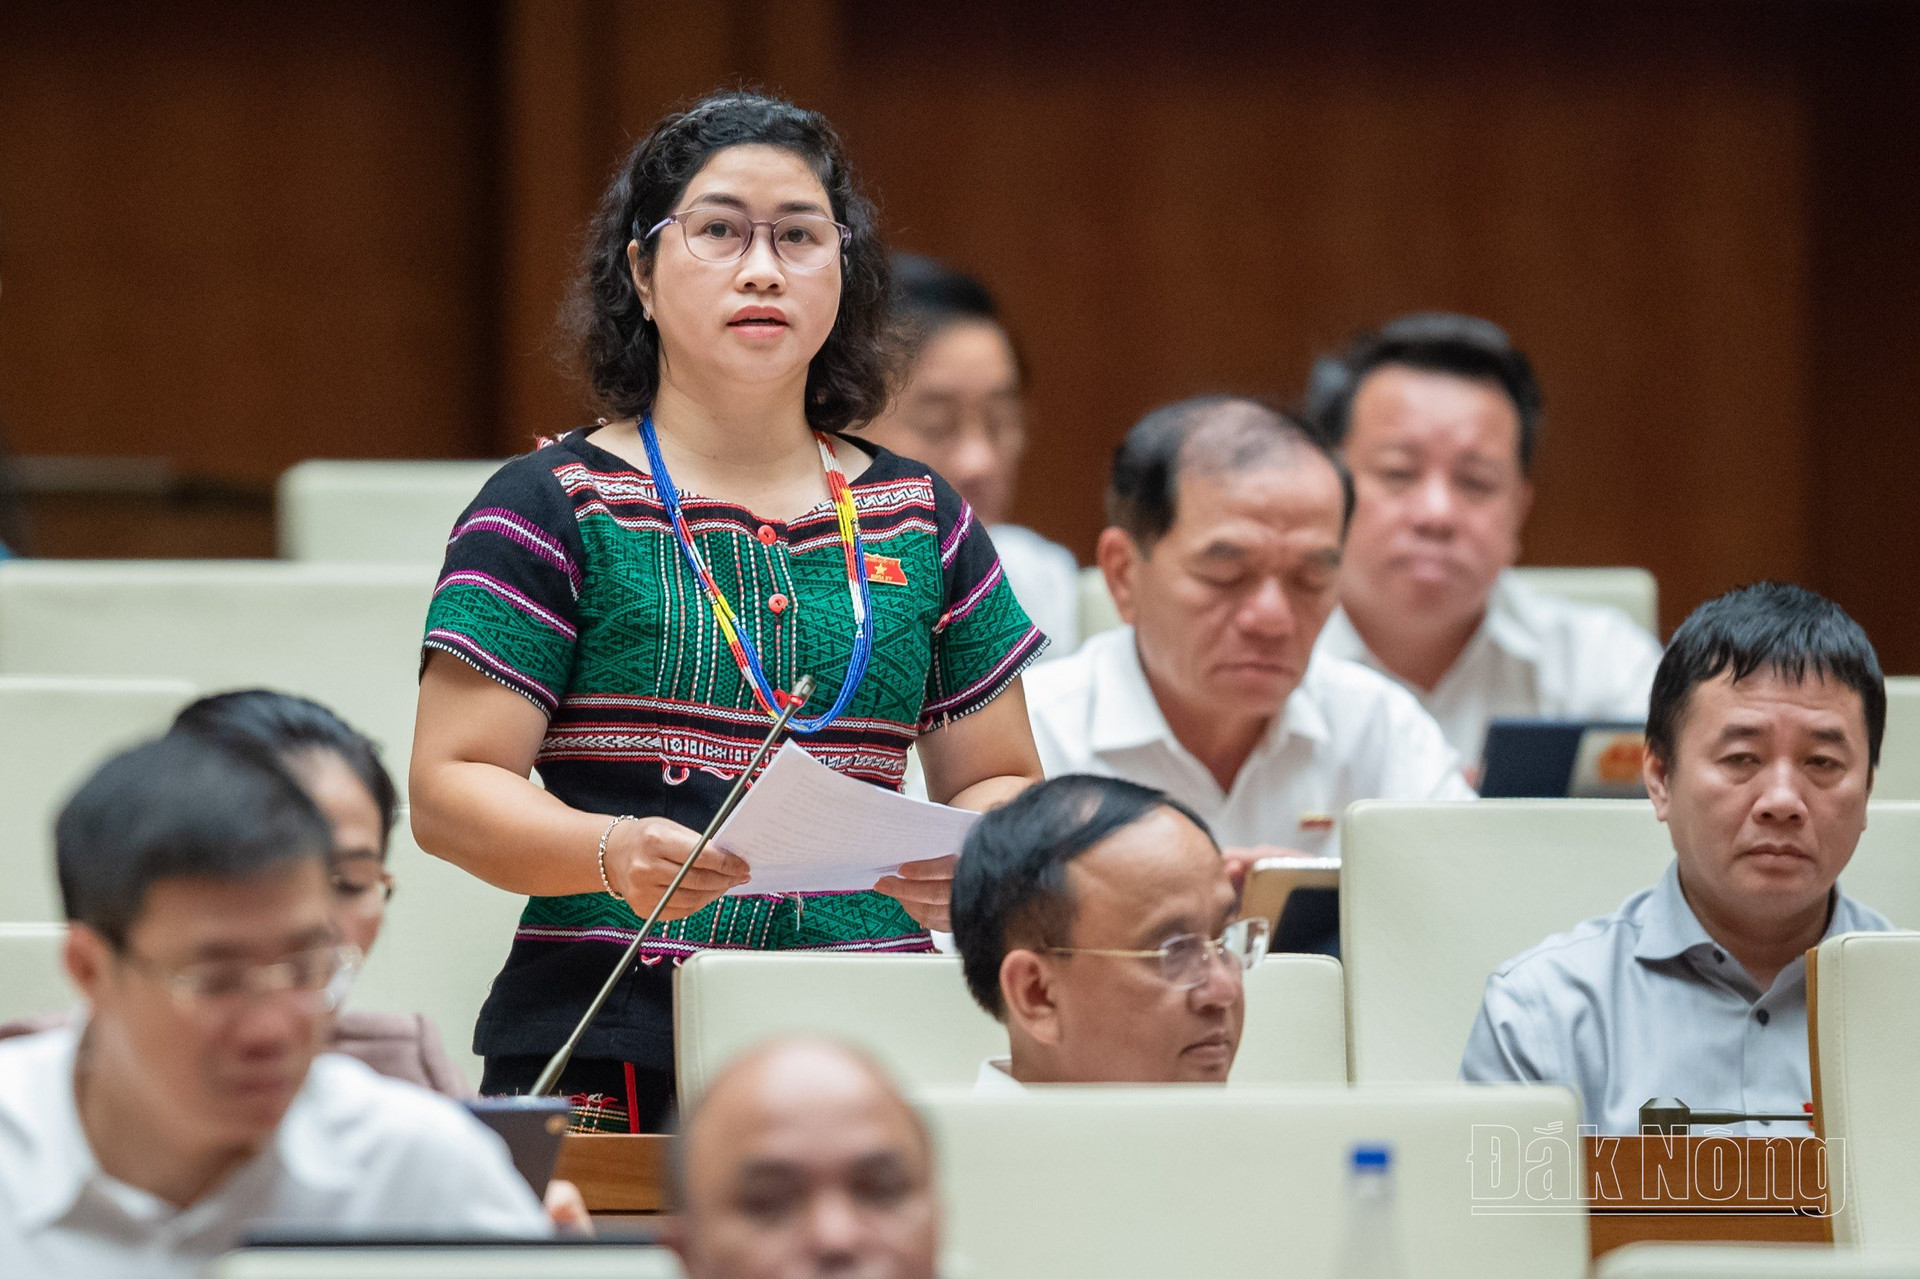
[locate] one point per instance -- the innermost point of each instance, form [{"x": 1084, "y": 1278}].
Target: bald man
[{"x": 801, "y": 1161}]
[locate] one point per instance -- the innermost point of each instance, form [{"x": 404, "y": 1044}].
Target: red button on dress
[
  {"x": 777, "y": 602},
  {"x": 767, "y": 536}
]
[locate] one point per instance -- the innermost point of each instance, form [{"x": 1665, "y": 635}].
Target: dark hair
[
  {"x": 929, "y": 297},
  {"x": 179, "y": 807},
  {"x": 1439, "y": 342},
  {"x": 849, "y": 379},
  {"x": 260, "y": 720},
  {"x": 1230, "y": 431},
  {"x": 1010, "y": 887},
  {"x": 1786, "y": 630}
]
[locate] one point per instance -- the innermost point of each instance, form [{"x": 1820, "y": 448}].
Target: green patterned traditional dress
[{"x": 564, "y": 583}]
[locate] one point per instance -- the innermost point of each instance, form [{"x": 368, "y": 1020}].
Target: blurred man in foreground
[
  {"x": 1095, "y": 919},
  {"x": 803, "y": 1161},
  {"x": 190, "y": 1104}
]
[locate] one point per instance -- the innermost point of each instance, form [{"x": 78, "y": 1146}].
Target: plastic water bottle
[{"x": 1371, "y": 1249}]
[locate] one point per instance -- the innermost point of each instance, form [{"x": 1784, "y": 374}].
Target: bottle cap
[{"x": 1372, "y": 1158}]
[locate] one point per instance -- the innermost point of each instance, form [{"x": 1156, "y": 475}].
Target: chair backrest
[
  {"x": 913, "y": 1012},
  {"x": 1866, "y": 1062},
  {"x": 1899, "y": 773},
  {"x": 1434, "y": 897},
  {"x": 375, "y": 512},
  {"x": 35, "y": 981},
  {"x": 53, "y": 733},
  {"x": 1149, "y": 1183},
  {"x": 1754, "y": 1261},
  {"x": 504, "y": 1260},
  {"x": 445, "y": 938},
  {"x": 1631, "y": 590},
  {"x": 1097, "y": 612},
  {"x": 346, "y": 635}
]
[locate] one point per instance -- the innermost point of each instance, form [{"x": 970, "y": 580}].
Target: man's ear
[
  {"x": 88, "y": 958},
  {"x": 1119, "y": 557},
  {"x": 1655, "y": 773},
  {"x": 1027, "y": 991}
]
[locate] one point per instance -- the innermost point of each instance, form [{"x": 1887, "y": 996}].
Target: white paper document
[{"x": 804, "y": 828}]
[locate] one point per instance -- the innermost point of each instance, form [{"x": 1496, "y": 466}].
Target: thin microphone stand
[{"x": 550, "y": 1076}]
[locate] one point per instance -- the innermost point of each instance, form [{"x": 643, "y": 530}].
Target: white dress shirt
[
  {"x": 354, "y": 1150},
  {"x": 1345, "y": 734},
  {"x": 996, "y": 1078},
  {"x": 1642, "y": 1003},
  {"x": 1534, "y": 655},
  {"x": 1046, "y": 580}
]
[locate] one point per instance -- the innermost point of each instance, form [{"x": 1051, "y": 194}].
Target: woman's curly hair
[{"x": 851, "y": 376}]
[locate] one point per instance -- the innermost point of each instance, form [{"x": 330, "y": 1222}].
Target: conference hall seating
[
  {"x": 1866, "y": 1082},
  {"x": 374, "y": 512},
  {"x": 1152, "y": 1183},
  {"x": 1433, "y": 897},
  {"x": 54, "y": 730},
  {"x": 914, "y": 1013},
  {"x": 35, "y": 982}
]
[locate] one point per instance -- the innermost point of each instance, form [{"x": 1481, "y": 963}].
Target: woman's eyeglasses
[
  {"x": 1186, "y": 960},
  {"x": 804, "y": 241}
]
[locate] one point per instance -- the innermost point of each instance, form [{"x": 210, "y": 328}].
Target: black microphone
[
  {"x": 550, "y": 1076},
  {"x": 1670, "y": 1117}
]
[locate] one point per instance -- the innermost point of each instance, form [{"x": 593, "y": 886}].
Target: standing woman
[{"x": 624, "y": 606}]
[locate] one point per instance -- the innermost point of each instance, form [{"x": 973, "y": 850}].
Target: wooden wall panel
[
  {"x": 1862, "y": 414},
  {"x": 235, "y": 235},
  {"x": 1169, "y": 207},
  {"x": 239, "y": 235}
]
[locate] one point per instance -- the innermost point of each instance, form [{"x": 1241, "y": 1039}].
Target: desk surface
[{"x": 1757, "y": 1189}]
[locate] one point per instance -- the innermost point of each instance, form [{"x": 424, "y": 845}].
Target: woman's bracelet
[{"x": 604, "y": 836}]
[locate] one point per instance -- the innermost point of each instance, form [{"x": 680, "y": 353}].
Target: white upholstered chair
[
  {"x": 1899, "y": 775},
  {"x": 1631, "y": 590},
  {"x": 374, "y": 512},
  {"x": 913, "y": 1012},
  {"x": 54, "y": 731},
  {"x": 345, "y": 635},
  {"x": 1147, "y": 1183},
  {"x": 1433, "y": 897},
  {"x": 1866, "y": 1061},
  {"x": 35, "y": 980}
]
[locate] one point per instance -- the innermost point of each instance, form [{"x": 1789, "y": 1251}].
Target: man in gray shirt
[{"x": 1762, "y": 737}]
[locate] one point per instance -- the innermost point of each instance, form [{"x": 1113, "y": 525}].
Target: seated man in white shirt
[
  {"x": 1762, "y": 738},
  {"x": 803, "y": 1160},
  {"x": 1227, "y": 520},
  {"x": 1439, "y": 418},
  {"x": 961, "y": 409},
  {"x": 1095, "y": 919},
  {"x": 189, "y": 1103}
]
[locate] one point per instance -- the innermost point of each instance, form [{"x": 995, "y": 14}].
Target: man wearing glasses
[
  {"x": 1095, "y": 919},
  {"x": 189, "y": 1103}
]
